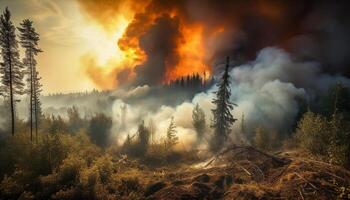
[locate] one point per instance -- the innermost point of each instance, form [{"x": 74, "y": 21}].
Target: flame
[
  {"x": 190, "y": 47},
  {"x": 108, "y": 57},
  {"x": 191, "y": 53},
  {"x": 202, "y": 34},
  {"x": 124, "y": 53}
]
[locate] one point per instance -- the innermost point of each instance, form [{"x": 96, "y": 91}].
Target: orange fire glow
[
  {"x": 191, "y": 53},
  {"x": 198, "y": 34},
  {"x": 190, "y": 49}
]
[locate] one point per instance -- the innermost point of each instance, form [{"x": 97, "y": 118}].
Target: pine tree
[
  {"x": 123, "y": 113},
  {"x": 143, "y": 138},
  {"x": 11, "y": 67},
  {"x": 198, "y": 121},
  {"x": 242, "y": 124},
  {"x": 171, "y": 138},
  {"x": 37, "y": 88},
  {"x": 29, "y": 41},
  {"x": 74, "y": 119},
  {"x": 128, "y": 140},
  {"x": 127, "y": 144},
  {"x": 152, "y": 128},
  {"x": 222, "y": 117}
]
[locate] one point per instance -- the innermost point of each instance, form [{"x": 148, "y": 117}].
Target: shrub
[
  {"x": 68, "y": 172},
  {"x": 129, "y": 185},
  {"x": 75, "y": 122},
  {"x": 328, "y": 139},
  {"x": 265, "y": 139},
  {"x": 67, "y": 194},
  {"x": 9, "y": 188},
  {"x": 81, "y": 145},
  {"x": 313, "y": 133},
  {"x": 26, "y": 196},
  {"x": 138, "y": 147},
  {"x": 99, "y": 129},
  {"x": 339, "y": 147},
  {"x": 89, "y": 176},
  {"x": 104, "y": 167},
  {"x": 101, "y": 193}
]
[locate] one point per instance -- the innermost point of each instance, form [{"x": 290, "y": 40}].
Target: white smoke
[
  {"x": 267, "y": 92},
  {"x": 135, "y": 92},
  {"x": 161, "y": 118},
  {"x": 268, "y": 89}
]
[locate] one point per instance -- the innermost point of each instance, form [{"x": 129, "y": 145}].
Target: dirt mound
[{"x": 247, "y": 173}]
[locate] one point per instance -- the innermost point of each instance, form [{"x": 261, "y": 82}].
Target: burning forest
[{"x": 174, "y": 99}]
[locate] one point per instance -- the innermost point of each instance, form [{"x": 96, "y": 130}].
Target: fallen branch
[
  {"x": 210, "y": 162},
  {"x": 274, "y": 158},
  {"x": 261, "y": 172},
  {"x": 246, "y": 148},
  {"x": 276, "y": 178},
  {"x": 244, "y": 169},
  {"x": 301, "y": 194},
  {"x": 217, "y": 156},
  {"x": 335, "y": 176},
  {"x": 312, "y": 185}
]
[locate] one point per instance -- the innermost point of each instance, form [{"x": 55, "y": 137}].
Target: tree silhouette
[
  {"x": 74, "y": 119},
  {"x": 37, "y": 89},
  {"x": 11, "y": 67},
  {"x": 29, "y": 41},
  {"x": 143, "y": 139},
  {"x": 198, "y": 121},
  {"x": 171, "y": 138},
  {"x": 222, "y": 117},
  {"x": 99, "y": 129}
]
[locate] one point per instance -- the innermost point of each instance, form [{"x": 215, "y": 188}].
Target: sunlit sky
[{"x": 67, "y": 35}]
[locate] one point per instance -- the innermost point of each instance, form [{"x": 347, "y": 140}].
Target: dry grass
[{"x": 248, "y": 174}]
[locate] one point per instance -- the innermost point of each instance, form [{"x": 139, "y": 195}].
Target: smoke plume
[
  {"x": 169, "y": 39},
  {"x": 268, "y": 91}
]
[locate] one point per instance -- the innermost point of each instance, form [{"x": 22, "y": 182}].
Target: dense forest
[{"x": 74, "y": 155}]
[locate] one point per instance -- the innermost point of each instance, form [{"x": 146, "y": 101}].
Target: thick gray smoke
[
  {"x": 159, "y": 42},
  {"x": 267, "y": 90},
  {"x": 312, "y": 30}
]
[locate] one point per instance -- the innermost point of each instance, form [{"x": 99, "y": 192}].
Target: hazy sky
[{"x": 67, "y": 35}]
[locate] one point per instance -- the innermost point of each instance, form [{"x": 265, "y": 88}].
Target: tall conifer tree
[
  {"x": 29, "y": 41},
  {"x": 198, "y": 122},
  {"x": 171, "y": 138},
  {"x": 10, "y": 67},
  {"x": 222, "y": 117},
  {"x": 37, "y": 89}
]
